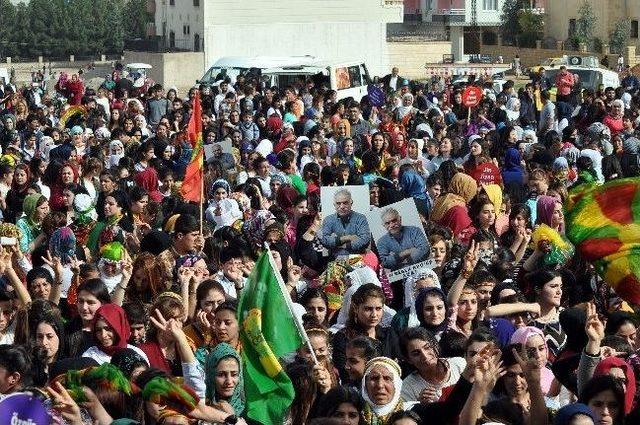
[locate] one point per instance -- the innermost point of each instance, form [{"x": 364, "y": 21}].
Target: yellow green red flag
[
  {"x": 603, "y": 221},
  {"x": 267, "y": 331},
  {"x": 194, "y": 174}
]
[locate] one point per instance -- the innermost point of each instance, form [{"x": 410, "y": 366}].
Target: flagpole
[
  {"x": 201, "y": 171},
  {"x": 287, "y": 298},
  {"x": 201, "y": 198}
]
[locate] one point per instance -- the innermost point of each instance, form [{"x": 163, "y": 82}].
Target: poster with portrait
[
  {"x": 359, "y": 195},
  {"x": 216, "y": 149},
  {"x": 341, "y": 235},
  {"x": 400, "y": 239}
]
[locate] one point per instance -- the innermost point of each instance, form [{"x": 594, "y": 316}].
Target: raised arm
[
  {"x": 468, "y": 264},
  {"x": 6, "y": 269}
]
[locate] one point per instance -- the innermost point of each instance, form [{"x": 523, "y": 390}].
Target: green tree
[
  {"x": 135, "y": 18},
  {"x": 585, "y": 24},
  {"x": 510, "y": 27},
  {"x": 619, "y": 36},
  {"x": 7, "y": 28},
  {"x": 531, "y": 28}
]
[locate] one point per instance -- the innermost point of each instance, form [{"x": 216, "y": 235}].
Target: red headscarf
[
  {"x": 286, "y": 199},
  {"x": 148, "y": 180},
  {"x": 606, "y": 365},
  {"x": 56, "y": 200},
  {"x": 114, "y": 315}
]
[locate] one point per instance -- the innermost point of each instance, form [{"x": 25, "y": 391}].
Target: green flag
[{"x": 267, "y": 331}]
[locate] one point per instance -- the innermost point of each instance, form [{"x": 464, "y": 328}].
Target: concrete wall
[
  {"x": 531, "y": 57},
  {"x": 528, "y": 57},
  {"x": 410, "y": 57},
  {"x": 333, "y": 30},
  {"x": 180, "y": 69}
]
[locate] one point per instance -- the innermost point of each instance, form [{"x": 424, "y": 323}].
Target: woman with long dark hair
[{"x": 19, "y": 190}]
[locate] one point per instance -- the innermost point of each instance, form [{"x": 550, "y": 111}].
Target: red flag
[{"x": 192, "y": 183}]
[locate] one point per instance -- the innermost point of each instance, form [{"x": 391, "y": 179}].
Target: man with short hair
[
  {"x": 157, "y": 106},
  {"x": 547, "y": 115},
  {"x": 392, "y": 81},
  {"x": 564, "y": 83},
  {"x": 230, "y": 275},
  {"x": 263, "y": 174},
  {"x": 345, "y": 232},
  {"x": 223, "y": 89},
  {"x": 401, "y": 246},
  {"x": 360, "y": 129},
  {"x": 138, "y": 321},
  {"x": 187, "y": 239}
]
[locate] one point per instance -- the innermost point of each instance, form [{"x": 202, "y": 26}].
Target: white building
[
  {"x": 333, "y": 30},
  {"x": 180, "y": 22},
  {"x": 461, "y": 16}
]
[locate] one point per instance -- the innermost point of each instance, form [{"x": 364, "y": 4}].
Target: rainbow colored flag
[
  {"x": 267, "y": 331},
  {"x": 191, "y": 188},
  {"x": 71, "y": 112},
  {"x": 603, "y": 222}
]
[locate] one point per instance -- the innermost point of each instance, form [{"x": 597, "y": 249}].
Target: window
[
  {"x": 196, "y": 3},
  {"x": 572, "y": 26},
  {"x": 489, "y": 4},
  {"x": 172, "y": 2},
  {"x": 634, "y": 29}
]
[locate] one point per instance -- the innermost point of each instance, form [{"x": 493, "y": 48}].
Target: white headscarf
[
  {"x": 114, "y": 160},
  {"x": 265, "y": 147},
  {"x": 394, "y": 369},
  {"x": 410, "y": 289},
  {"x": 513, "y": 108},
  {"x": 144, "y": 128},
  {"x": 46, "y": 144},
  {"x": 359, "y": 277}
]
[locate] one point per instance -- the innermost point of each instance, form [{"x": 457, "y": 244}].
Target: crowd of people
[{"x": 108, "y": 273}]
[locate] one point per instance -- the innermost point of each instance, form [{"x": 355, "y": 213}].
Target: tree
[
  {"x": 135, "y": 19},
  {"x": 7, "y": 26},
  {"x": 619, "y": 36},
  {"x": 55, "y": 28},
  {"x": 531, "y": 28},
  {"x": 585, "y": 24},
  {"x": 510, "y": 20}
]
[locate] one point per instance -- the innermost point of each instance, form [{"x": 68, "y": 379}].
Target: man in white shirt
[{"x": 392, "y": 81}]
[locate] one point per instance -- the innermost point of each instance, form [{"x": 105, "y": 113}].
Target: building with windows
[
  {"x": 179, "y": 23},
  {"x": 562, "y": 16},
  {"x": 333, "y": 30},
  {"x": 466, "y": 20}
]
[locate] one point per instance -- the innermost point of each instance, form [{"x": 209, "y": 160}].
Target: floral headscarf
[{"x": 254, "y": 227}]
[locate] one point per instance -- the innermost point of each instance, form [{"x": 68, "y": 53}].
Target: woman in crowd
[{"x": 481, "y": 189}]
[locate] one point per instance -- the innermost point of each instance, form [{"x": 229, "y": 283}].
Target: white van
[
  {"x": 4, "y": 76},
  {"x": 348, "y": 79}
]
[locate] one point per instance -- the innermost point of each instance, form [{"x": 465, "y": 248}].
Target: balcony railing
[
  {"x": 392, "y": 3},
  {"x": 449, "y": 12}
]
